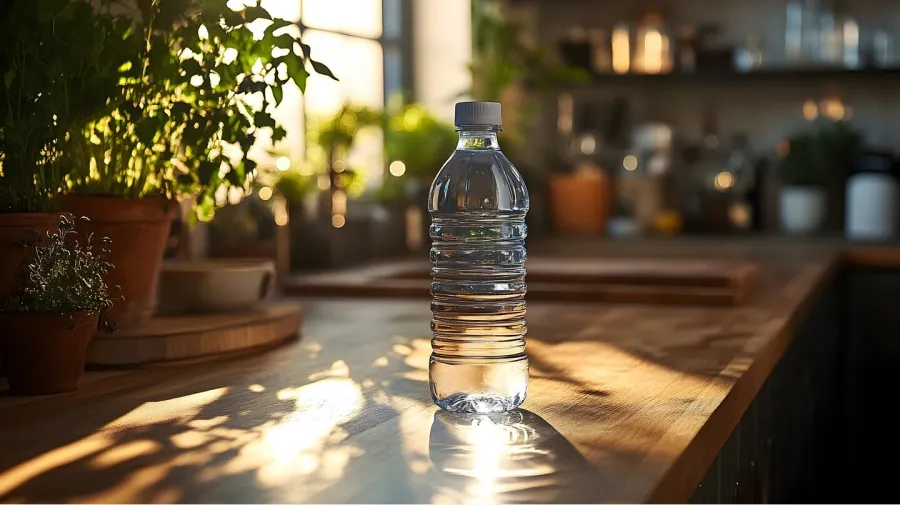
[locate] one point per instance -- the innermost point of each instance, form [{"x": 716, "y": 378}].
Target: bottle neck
[{"x": 478, "y": 138}]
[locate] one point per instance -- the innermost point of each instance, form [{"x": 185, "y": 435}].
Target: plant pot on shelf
[
  {"x": 802, "y": 209},
  {"x": 44, "y": 353},
  {"x": 139, "y": 230},
  {"x": 579, "y": 203},
  {"x": 14, "y": 229}
]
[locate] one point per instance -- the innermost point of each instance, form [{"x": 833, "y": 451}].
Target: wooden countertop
[{"x": 627, "y": 403}]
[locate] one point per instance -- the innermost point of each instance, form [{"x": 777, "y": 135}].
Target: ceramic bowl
[{"x": 214, "y": 285}]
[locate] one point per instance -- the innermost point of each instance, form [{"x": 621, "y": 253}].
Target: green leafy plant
[
  {"x": 339, "y": 132},
  {"x": 199, "y": 91},
  {"x": 59, "y": 65},
  {"x": 420, "y": 141},
  {"x": 503, "y": 64},
  {"x": 295, "y": 187},
  {"x": 821, "y": 156},
  {"x": 63, "y": 274}
]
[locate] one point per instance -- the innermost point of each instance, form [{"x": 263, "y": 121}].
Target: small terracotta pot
[
  {"x": 13, "y": 229},
  {"x": 579, "y": 203},
  {"x": 139, "y": 229},
  {"x": 42, "y": 353}
]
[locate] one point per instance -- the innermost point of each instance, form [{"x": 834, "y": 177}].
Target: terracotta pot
[
  {"x": 579, "y": 203},
  {"x": 13, "y": 229},
  {"x": 139, "y": 229},
  {"x": 43, "y": 353}
]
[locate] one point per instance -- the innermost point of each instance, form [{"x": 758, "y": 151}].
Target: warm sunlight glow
[
  {"x": 724, "y": 181},
  {"x": 397, "y": 168},
  {"x": 630, "y": 163},
  {"x": 810, "y": 110},
  {"x": 280, "y": 211},
  {"x": 621, "y": 53},
  {"x": 653, "y": 52},
  {"x": 174, "y": 410},
  {"x": 265, "y": 193},
  {"x": 283, "y": 163}
]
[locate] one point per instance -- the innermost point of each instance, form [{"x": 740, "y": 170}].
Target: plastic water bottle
[{"x": 478, "y": 203}]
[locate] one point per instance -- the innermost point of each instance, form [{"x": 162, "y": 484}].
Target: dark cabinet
[
  {"x": 788, "y": 446},
  {"x": 873, "y": 374}
]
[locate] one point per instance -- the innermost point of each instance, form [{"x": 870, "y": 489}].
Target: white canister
[
  {"x": 802, "y": 209},
  {"x": 872, "y": 201}
]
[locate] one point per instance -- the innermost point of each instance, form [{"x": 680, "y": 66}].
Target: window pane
[
  {"x": 393, "y": 72},
  {"x": 393, "y": 19},
  {"x": 357, "y": 17},
  {"x": 358, "y": 63}
]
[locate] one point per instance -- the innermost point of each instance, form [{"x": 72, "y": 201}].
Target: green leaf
[
  {"x": 192, "y": 67},
  {"x": 234, "y": 177},
  {"x": 278, "y": 93},
  {"x": 232, "y": 19},
  {"x": 180, "y": 111},
  {"x": 263, "y": 120},
  {"x": 321, "y": 69},
  {"x": 207, "y": 171},
  {"x": 145, "y": 130},
  {"x": 8, "y": 77},
  {"x": 297, "y": 71},
  {"x": 305, "y": 50},
  {"x": 284, "y": 41},
  {"x": 279, "y": 23},
  {"x": 278, "y": 134},
  {"x": 255, "y": 12}
]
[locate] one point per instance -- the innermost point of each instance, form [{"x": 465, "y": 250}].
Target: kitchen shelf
[{"x": 756, "y": 76}]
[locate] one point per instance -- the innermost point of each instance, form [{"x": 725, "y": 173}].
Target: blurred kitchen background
[{"x": 650, "y": 118}]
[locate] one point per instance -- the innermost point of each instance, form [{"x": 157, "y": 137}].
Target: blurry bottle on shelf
[
  {"x": 873, "y": 198},
  {"x": 882, "y": 49},
  {"x": 850, "y": 43},
  {"x": 653, "y": 48},
  {"x": 740, "y": 169},
  {"x": 830, "y": 37},
  {"x": 810, "y": 30},
  {"x": 748, "y": 56},
  {"x": 704, "y": 198},
  {"x": 793, "y": 32},
  {"x": 687, "y": 49},
  {"x": 646, "y": 185},
  {"x": 620, "y": 45},
  {"x": 601, "y": 59}
]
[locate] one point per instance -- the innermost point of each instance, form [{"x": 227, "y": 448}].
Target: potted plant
[
  {"x": 198, "y": 92},
  {"x": 50, "y": 319},
  {"x": 59, "y": 64},
  {"x": 504, "y": 64},
  {"x": 814, "y": 162},
  {"x": 417, "y": 144}
]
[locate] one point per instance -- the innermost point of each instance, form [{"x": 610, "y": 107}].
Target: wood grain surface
[
  {"x": 189, "y": 336},
  {"x": 627, "y": 403},
  {"x": 671, "y": 281}
]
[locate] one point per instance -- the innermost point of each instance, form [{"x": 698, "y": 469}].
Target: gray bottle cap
[{"x": 477, "y": 113}]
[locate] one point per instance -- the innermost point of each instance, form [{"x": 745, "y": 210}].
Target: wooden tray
[
  {"x": 657, "y": 281},
  {"x": 191, "y": 336}
]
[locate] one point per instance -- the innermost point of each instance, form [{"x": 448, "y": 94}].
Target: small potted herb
[
  {"x": 50, "y": 319},
  {"x": 814, "y": 162}
]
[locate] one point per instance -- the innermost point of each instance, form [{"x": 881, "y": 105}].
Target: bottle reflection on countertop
[{"x": 505, "y": 457}]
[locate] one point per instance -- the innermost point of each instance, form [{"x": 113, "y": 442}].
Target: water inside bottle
[{"x": 478, "y": 203}]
